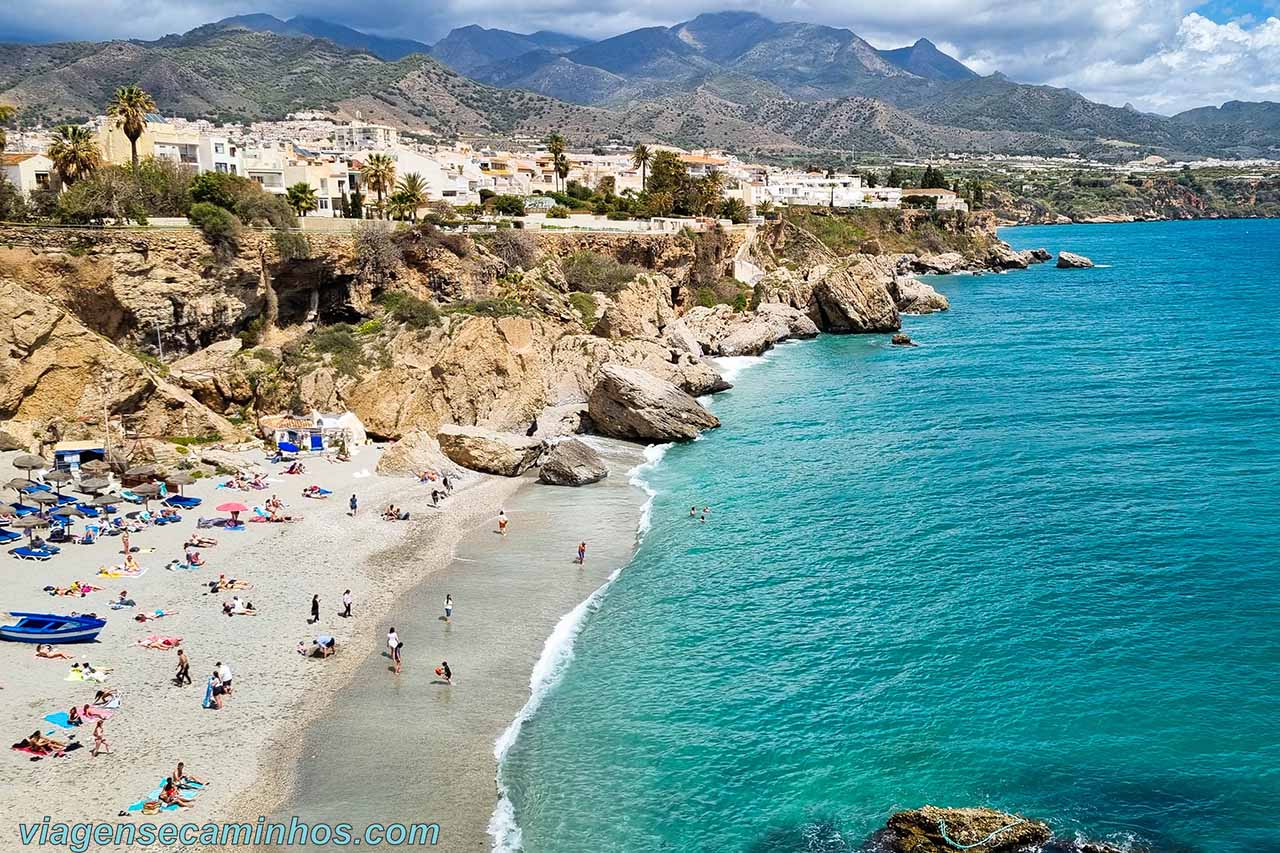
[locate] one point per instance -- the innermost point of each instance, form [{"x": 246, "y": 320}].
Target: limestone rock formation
[
  {"x": 1036, "y": 256},
  {"x": 214, "y": 375},
  {"x": 922, "y": 831},
  {"x": 853, "y": 296},
  {"x": 418, "y": 451},
  {"x": 721, "y": 331},
  {"x": 1072, "y": 261},
  {"x": 55, "y": 370},
  {"x": 913, "y": 296},
  {"x": 940, "y": 264},
  {"x": 1002, "y": 257},
  {"x": 678, "y": 335},
  {"x": 559, "y": 421},
  {"x": 901, "y": 340},
  {"x": 639, "y": 310},
  {"x": 572, "y": 463},
  {"x": 633, "y": 404},
  {"x": 503, "y": 453}
]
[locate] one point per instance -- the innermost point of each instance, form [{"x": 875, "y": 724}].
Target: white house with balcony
[
  {"x": 219, "y": 154},
  {"x": 813, "y": 190},
  {"x": 27, "y": 172}
]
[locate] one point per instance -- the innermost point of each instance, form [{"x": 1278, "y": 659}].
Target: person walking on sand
[
  {"x": 582, "y": 553},
  {"x": 448, "y": 607},
  {"x": 183, "y": 676},
  {"x": 353, "y": 505},
  {"x": 502, "y": 522},
  {"x": 99, "y": 739},
  {"x": 394, "y": 644},
  {"x": 346, "y": 604},
  {"x": 315, "y": 610}
]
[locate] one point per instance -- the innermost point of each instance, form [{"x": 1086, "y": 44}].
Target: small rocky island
[{"x": 931, "y": 829}]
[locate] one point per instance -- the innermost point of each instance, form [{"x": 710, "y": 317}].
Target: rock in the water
[
  {"x": 416, "y": 452},
  {"x": 922, "y": 831},
  {"x": 503, "y": 453},
  {"x": 721, "y": 331},
  {"x": 572, "y": 463},
  {"x": 901, "y": 340},
  {"x": 1002, "y": 257},
  {"x": 1036, "y": 256},
  {"x": 914, "y": 296},
  {"x": 633, "y": 404},
  {"x": 854, "y": 297},
  {"x": 943, "y": 264},
  {"x": 1072, "y": 261}
]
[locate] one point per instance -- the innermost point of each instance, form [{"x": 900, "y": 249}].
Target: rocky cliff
[{"x": 492, "y": 330}]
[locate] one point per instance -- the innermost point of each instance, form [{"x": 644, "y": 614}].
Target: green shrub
[
  {"x": 584, "y": 304},
  {"x": 515, "y": 248},
  {"x": 292, "y": 245},
  {"x": 346, "y": 355},
  {"x": 410, "y": 310},
  {"x": 618, "y": 215},
  {"x": 558, "y": 212},
  {"x": 508, "y": 205},
  {"x": 369, "y": 327},
  {"x": 251, "y": 334},
  {"x": 705, "y": 297},
  {"x": 592, "y": 272},
  {"x": 486, "y": 308},
  {"x": 220, "y": 228}
]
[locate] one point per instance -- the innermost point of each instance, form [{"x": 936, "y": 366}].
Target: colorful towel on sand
[
  {"x": 60, "y": 719},
  {"x": 187, "y": 790},
  {"x": 117, "y": 572}
]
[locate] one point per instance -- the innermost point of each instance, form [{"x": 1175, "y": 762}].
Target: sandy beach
[{"x": 275, "y": 691}]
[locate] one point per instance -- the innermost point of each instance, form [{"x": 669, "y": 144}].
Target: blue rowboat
[{"x": 52, "y": 628}]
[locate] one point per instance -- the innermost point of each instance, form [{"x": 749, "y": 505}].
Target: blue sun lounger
[
  {"x": 182, "y": 502},
  {"x": 7, "y": 536},
  {"x": 22, "y": 510},
  {"x": 40, "y": 554}
]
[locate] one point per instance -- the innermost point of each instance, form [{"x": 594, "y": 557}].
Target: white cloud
[{"x": 1158, "y": 54}]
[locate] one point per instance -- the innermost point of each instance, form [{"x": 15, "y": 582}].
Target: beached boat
[{"x": 51, "y": 628}]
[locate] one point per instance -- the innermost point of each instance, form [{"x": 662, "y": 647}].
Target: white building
[
  {"x": 359, "y": 135},
  {"x": 219, "y": 154},
  {"x": 813, "y": 190},
  {"x": 27, "y": 172}
]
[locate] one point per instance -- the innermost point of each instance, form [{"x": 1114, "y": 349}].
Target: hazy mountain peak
[{"x": 925, "y": 60}]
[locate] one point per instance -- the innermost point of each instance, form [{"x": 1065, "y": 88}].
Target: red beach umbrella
[{"x": 234, "y": 508}]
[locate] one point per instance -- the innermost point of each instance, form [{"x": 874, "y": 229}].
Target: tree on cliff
[
  {"x": 897, "y": 178},
  {"x": 301, "y": 197},
  {"x": 640, "y": 158},
  {"x": 7, "y": 112},
  {"x": 379, "y": 173},
  {"x": 129, "y": 107},
  {"x": 74, "y": 153},
  {"x": 412, "y": 193}
]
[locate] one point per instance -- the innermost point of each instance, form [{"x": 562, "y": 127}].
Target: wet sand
[{"x": 409, "y": 748}]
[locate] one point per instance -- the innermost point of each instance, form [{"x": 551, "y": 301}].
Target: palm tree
[
  {"x": 7, "y": 113},
  {"x": 712, "y": 187},
  {"x": 399, "y": 205},
  {"x": 640, "y": 159},
  {"x": 556, "y": 148},
  {"x": 74, "y": 152},
  {"x": 379, "y": 174},
  {"x": 301, "y": 197},
  {"x": 561, "y": 165},
  {"x": 130, "y": 106},
  {"x": 412, "y": 191}
]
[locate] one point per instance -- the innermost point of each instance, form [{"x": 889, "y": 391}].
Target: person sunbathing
[
  {"x": 151, "y": 617},
  {"x": 131, "y": 564},
  {"x": 156, "y": 642},
  {"x": 427, "y": 477},
  {"x": 197, "y": 541},
  {"x": 73, "y": 717},
  {"x": 88, "y": 712},
  {"x": 169, "y": 794},
  {"x": 169, "y": 513},
  {"x": 184, "y": 779},
  {"x": 106, "y": 698},
  {"x": 390, "y": 513},
  {"x": 194, "y": 558},
  {"x": 36, "y": 742},
  {"x": 44, "y": 650},
  {"x": 236, "y": 607}
]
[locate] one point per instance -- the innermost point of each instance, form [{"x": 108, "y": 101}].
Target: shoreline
[{"x": 505, "y": 587}]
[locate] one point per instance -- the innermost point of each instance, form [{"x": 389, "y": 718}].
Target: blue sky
[{"x": 1159, "y": 55}]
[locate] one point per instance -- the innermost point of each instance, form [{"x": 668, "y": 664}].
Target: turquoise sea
[{"x": 1031, "y": 564}]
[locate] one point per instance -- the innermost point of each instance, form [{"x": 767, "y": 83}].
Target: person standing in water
[
  {"x": 394, "y": 644},
  {"x": 582, "y": 553},
  {"x": 315, "y": 610},
  {"x": 448, "y": 607},
  {"x": 502, "y": 522},
  {"x": 693, "y": 511}
]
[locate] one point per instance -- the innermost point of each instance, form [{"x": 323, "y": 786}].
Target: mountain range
[{"x": 732, "y": 79}]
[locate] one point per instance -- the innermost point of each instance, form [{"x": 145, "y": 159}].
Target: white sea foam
[
  {"x": 557, "y": 654},
  {"x": 731, "y": 366}
]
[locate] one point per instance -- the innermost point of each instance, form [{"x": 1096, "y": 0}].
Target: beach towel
[
  {"x": 39, "y": 754},
  {"x": 188, "y": 791},
  {"x": 60, "y": 719},
  {"x": 117, "y": 572}
]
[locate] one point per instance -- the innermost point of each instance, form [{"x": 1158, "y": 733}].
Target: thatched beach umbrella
[
  {"x": 42, "y": 498},
  {"x": 147, "y": 491},
  {"x": 58, "y": 478},
  {"x": 142, "y": 472},
  {"x": 105, "y": 500},
  {"x": 17, "y": 484},
  {"x": 180, "y": 479},
  {"x": 30, "y": 523},
  {"x": 29, "y": 462},
  {"x": 70, "y": 511},
  {"x": 94, "y": 484},
  {"x": 95, "y": 468}
]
